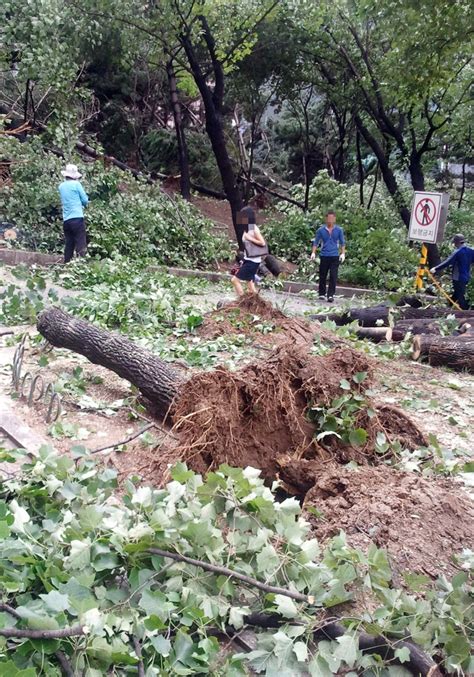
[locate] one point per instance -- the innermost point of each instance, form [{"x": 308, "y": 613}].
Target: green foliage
[
  {"x": 74, "y": 553},
  {"x": 160, "y": 154},
  {"x": 339, "y": 418},
  {"x": 125, "y": 216},
  {"x": 378, "y": 255}
]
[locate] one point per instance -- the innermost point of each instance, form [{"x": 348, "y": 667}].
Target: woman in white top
[{"x": 249, "y": 268}]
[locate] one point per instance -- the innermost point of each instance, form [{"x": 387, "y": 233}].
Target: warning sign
[{"x": 428, "y": 217}]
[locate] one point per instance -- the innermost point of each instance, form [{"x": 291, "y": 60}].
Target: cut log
[
  {"x": 415, "y": 327},
  {"x": 420, "y": 313},
  {"x": 454, "y": 353},
  {"x": 155, "y": 379},
  {"x": 413, "y": 301},
  {"x": 375, "y": 334},
  {"x": 373, "y": 316}
]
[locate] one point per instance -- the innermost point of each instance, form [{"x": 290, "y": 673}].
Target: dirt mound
[
  {"x": 255, "y": 317},
  {"x": 420, "y": 522},
  {"x": 258, "y": 416}
]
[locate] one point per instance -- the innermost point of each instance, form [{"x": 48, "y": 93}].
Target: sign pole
[{"x": 420, "y": 273}]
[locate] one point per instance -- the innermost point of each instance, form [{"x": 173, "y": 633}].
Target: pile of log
[{"x": 388, "y": 323}]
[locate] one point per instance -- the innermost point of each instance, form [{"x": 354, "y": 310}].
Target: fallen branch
[
  {"x": 73, "y": 631},
  {"x": 138, "y": 650},
  {"x": 126, "y": 440},
  {"x": 224, "y": 571},
  {"x": 419, "y": 663},
  {"x": 66, "y": 666},
  {"x": 10, "y": 610}
]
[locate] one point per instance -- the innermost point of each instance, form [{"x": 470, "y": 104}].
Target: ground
[{"x": 422, "y": 521}]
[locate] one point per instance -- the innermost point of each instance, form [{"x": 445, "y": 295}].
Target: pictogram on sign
[{"x": 425, "y": 211}]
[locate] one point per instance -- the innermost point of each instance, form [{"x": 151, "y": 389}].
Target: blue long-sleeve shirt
[
  {"x": 73, "y": 198},
  {"x": 461, "y": 261},
  {"x": 329, "y": 241}
]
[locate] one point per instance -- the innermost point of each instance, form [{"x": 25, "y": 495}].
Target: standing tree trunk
[
  {"x": 463, "y": 184},
  {"x": 213, "y": 101},
  {"x": 360, "y": 169},
  {"x": 385, "y": 169},
  {"x": 185, "y": 179},
  {"x": 155, "y": 379}
]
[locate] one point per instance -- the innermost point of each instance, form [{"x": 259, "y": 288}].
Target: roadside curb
[
  {"x": 288, "y": 286},
  {"x": 14, "y": 257}
]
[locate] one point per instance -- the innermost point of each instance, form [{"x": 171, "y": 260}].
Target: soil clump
[{"x": 420, "y": 522}]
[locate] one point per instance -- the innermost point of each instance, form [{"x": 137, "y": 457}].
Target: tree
[{"x": 401, "y": 98}]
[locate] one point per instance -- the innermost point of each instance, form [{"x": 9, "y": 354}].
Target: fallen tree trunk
[
  {"x": 155, "y": 379},
  {"x": 415, "y": 327},
  {"x": 367, "y": 317},
  {"x": 455, "y": 352},
  {"x": 420, "y": 313},
  {"x": 374, "y": 316}
]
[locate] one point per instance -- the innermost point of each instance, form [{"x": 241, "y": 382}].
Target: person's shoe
[
  {"x": 330, "y": 299},
  {"x": 322, "y": 298}
]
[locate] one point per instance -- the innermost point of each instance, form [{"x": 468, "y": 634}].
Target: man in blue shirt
[
  {"x": 330, "y": 238},
  {"x": 460, "y": 261},
  {"x": 73, "y": 199}
]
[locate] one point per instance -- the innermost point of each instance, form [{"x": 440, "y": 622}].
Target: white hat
[{"x": 71, "y": 172}]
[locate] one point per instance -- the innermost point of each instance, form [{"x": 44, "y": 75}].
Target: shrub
[
  {"x": 134, "y": 219},
  {"x": 378, "y": 252}
]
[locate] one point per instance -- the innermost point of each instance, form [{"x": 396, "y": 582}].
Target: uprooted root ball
[{"x": 258, "y": 416}]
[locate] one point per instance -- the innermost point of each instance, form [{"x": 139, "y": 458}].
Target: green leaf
[
  {"x": 359, "y": 377},
  {"x": 345, "y": 385},
  {"x": 403, "y": 654},
  {"x": 56, "y": 601},
  {"x": 347, "y": 649},
  {"x": 286, "y": 606},
  {"x": 301, "y": 651},
  {"x": 155, "y": 604},
  {"x": 161, "y": 645},
  {"x": 358, "y": 437},
  {"x": 4, "y": 530},
  {"x": 183, "y": 647}
]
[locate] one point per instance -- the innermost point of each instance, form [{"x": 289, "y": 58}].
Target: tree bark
[
  {"x": 420, "y": 313},
  {"x": 385, "y": 169},
  {"x": 213, "y": 102},
  {"x": 374, "y": 315},
  {"x": 360, "y": 169},
  {"x": 415, "y": 327},
  {"x": 155, "y": 379},
  {"x": 185, "y": 179},
  {"x": 375, "y": 334},
  {"x": 457, "y": 353},
  {"x": 367, "y": 317}
]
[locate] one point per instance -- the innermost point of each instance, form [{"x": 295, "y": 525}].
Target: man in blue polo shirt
[
  {"x": 73, "y": 199},
  {"x": 330, "y": 238}
]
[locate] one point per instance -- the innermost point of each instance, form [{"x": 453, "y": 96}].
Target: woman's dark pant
[
  {"x": 75, "y": 236},
  {"x": 459, "y": 290},
  {"x": 328, "y": 264}
]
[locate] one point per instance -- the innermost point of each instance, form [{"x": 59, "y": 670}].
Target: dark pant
[
  {"x": 459, "y": 290},
  {"x": 329, "y": 264},
  {"x": 75, "y": 236}
]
